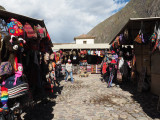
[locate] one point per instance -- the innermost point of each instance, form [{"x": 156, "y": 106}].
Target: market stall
[
  {"x": 143, "y": 33},
  {"x": 24, "y": 41}
]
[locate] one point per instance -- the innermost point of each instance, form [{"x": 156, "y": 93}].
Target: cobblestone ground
[{"x": 90, "y": 99}]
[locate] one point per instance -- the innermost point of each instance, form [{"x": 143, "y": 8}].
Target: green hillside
[{"x": 106, "y": 30}]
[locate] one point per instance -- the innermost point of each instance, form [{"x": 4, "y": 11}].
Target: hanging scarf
[{"x": 4, "y": 98}]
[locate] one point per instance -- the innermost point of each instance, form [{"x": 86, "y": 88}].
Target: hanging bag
[
  {"x": 154, "y": 35},
  {"x": 41, "y": 32},
  {"x": 138, "y": 39},
  {"x": 157, "y": 44}
]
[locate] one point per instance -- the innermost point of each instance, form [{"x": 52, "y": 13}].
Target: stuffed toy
[
  {"x": 12, "y": 47},
  {"x": 18, "y": 73}
]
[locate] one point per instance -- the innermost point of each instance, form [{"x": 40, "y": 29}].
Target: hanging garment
[
  {"x": 3, "y": 29},
  {"x": 74, "y": 57},
  {"x": 92, "y": 52},
  {"x": 89, "y": 52},
  {"x": 116, "y": 57},
  {"x": 88, "y": 68},
  {"x": 99, "y": 53},
  {"x": 104, "y": 67},
  {"x": 4, "y": 98},
  {"x": 29, "y": 31},
  {"x": 121, "y": 62},
  {"x": 139, "y": 37},
  {"x": 42, "y": 32},
  {"x": 154, "y": 37}
]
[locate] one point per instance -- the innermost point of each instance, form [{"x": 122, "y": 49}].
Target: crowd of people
[{"x": 117, "y": 66}]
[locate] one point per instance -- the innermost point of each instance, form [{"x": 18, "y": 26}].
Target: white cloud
[{"x": 66, "y": 19}]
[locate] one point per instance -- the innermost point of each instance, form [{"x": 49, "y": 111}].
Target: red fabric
[
  {"x": 48, "y": 36},
  {"x": 113, "y": 52},
  {"x": 61, "y": 51},
  {"x": 85, "y": 51},
  {"x": 82, "y": 52},
  {"x": 16, "y": 64},
  {"x": 15, "y": 28},
  {"x": 113, "y": 62},
  {"x": 29, "y": 31},
  {"x": 104, "y": 68},
  {"x": 41, "y": 31}
]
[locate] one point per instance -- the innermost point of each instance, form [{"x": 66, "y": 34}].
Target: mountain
[
  {"x": 2, "y": 8},
  {"x": 107, "y": 30}
]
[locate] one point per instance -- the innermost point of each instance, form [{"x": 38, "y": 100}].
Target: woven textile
[
  {"x": 29, "y": 31},
  {"x": 4, "y": 97}
]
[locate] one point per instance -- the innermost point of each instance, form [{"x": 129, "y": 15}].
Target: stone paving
[{"x": 90, "y": 99}]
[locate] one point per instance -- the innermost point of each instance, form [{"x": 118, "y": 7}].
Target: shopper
[{"x": 69, "y": 70}]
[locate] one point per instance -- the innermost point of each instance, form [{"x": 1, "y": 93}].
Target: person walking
[{"x": 69, "y": 70}]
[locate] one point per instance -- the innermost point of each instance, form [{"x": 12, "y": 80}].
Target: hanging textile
[
  {"x": 29, "y": 31},
  {"x": 42, "y": 32},
  {"x": 3, "y": 29},
  {"x": 139, "y": 37}
]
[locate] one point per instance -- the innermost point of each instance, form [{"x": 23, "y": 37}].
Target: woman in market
[
  {"x": 69, "y": 70},
  {"x": 112, "y": 70}
]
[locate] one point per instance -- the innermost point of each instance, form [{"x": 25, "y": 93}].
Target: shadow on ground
[
  {"x": 146, "y": 99},
  {"x": 43, "y": 104}
]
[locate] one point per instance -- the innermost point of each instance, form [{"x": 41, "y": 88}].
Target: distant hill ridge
[
  {"x": 106, "y": 30},
  {"x": 2, "y": 8}
]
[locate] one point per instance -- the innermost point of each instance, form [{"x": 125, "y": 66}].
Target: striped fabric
[
  {"x": 4, "y": 98},
  {"x": 29, "y": 30},
  {"x": 93, "y": 69},
  {"x": 98, "y": 69},
  {"x": 88, "y": 68}
]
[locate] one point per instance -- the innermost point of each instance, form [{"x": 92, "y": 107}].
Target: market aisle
[{"x": 89, "y": 99}]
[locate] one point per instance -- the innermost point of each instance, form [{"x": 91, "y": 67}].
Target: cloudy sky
[{"x": 66, "y": 19}]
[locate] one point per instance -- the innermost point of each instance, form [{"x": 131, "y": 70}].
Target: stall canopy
[{"x": 6, "y": 15}]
